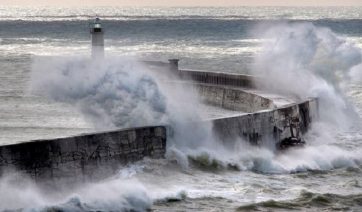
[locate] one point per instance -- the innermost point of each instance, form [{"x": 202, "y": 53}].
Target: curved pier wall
[
  {"x": 85, "y": 157},
  {"x": 94, "y": 157},
  {"x": 266, "y": 128},
  {"x": 170, "y": 70},
  {"x": 233, "y": 99},
  {"x": 217, "y": 78}
]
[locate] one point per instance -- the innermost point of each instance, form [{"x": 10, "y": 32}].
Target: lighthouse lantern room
[{"x": 97, "y": 33}]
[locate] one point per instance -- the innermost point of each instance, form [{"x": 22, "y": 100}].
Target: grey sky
[{"x": 184, "y": 2}]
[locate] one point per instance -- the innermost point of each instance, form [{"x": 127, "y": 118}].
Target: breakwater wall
[
  {"x": 267, "y": 128},
  {"x": 233, "y": 99},
  {"x": 216, "y": 78},
  {"x": 171, "y": 71},
  {"x": 93, "y": 157},
  {"x": 87, "y": 157}
]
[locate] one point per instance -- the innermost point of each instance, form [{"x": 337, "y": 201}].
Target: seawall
[
  {"x": 171, "y": 71},
  {"x": 267, "y": 128},
  {"x": 85, "y": 157},
  {"x": 217, "y": 78},
  {"x": 93, "y": 157},
  {"x": 233, "y": 99}
]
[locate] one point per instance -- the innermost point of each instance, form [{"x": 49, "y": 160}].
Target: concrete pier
[
  {"x": 87, "y": 157},
  {"x": 267, "y": 128},
  {"x": 233, "y": 99},
  {"x": 93, "y": 157}
]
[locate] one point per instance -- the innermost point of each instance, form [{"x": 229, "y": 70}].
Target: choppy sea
[{"x": 48, "y": 88}]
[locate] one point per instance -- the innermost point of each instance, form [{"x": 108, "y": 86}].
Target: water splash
[
  {"x": 112, "y": 195},
  {"x": 110, "y": 93},
  {"x": 303, "y": 60}
]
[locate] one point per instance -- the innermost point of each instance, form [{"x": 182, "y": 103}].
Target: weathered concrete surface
[
  {"x": 232, "y": 99},
  {"x": 84, "y": 157},
  {"x": 217, "y": 78},
  {"x": 266, "y": 128},
  {"x": 171, "y": 71}
]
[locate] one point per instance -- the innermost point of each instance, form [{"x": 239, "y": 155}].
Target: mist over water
[
  {"x": 298, "y": 59},
  {"x": 110, "y": 93}
]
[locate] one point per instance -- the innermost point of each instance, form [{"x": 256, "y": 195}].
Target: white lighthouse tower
[{"x": 97, "y": 33}]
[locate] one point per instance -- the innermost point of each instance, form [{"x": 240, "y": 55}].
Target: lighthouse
[{"x": 97, "y": 33}]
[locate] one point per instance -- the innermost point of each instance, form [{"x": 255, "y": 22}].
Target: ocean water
[{"x": 49, "y": 88}]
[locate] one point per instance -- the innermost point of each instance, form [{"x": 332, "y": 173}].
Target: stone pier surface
[{"x": 84, "y": 157}]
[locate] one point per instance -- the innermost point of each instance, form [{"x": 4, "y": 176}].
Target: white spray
[
  {"x": 110, "y": 93},
  {"x": 118, "y": 92},
  {"x": 307, "y": 61}
]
